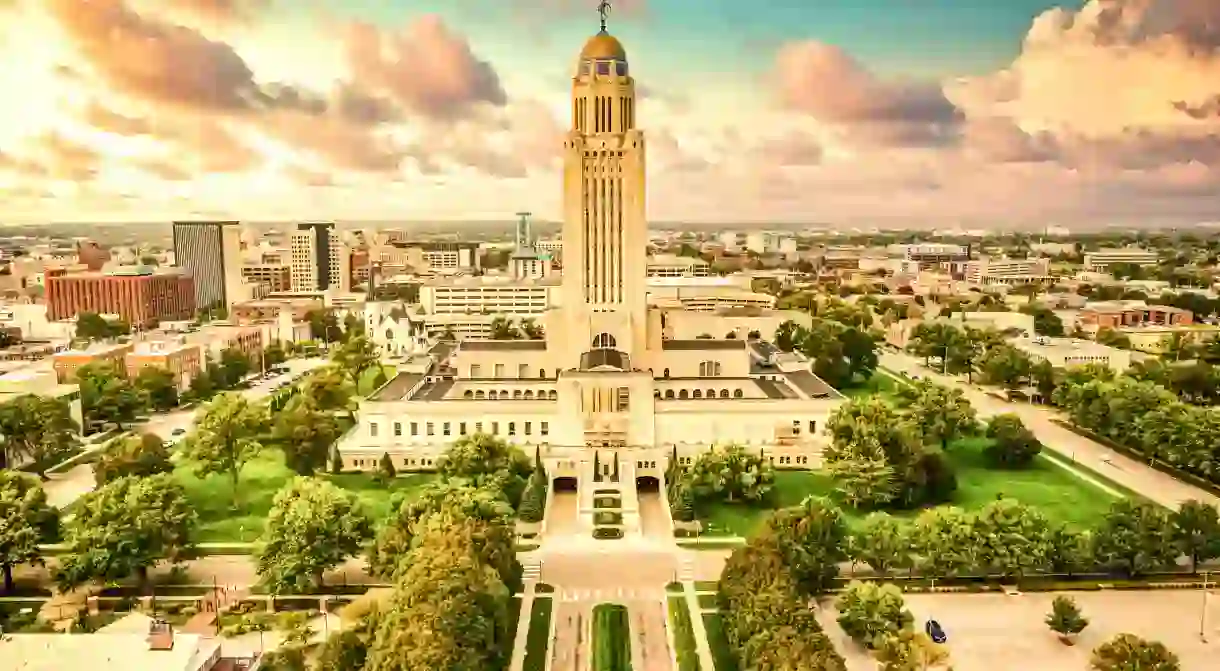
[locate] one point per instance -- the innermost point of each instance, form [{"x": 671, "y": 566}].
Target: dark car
[{"x": 935, "y": 632}]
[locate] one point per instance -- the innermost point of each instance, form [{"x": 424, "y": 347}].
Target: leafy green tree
[
  {"x": 1005, "y": 366},
  {"x": 531, "y": 330},
  {"x": 1011, "y": 538},
  {"x": 791, "y": 649},
  {"x": 1196, "y": 531},
  {"x": 37, "y": 428},
  {"x": 139, "y": 456},
  {"x": 812, "y": 537},
  {"x": 313, "y": 526},
  {"x": 533, "y": 502},
  {"x": 324, "y": 326},
  {"x": 385, "y": 468},
  {"x": 107, "y": 397},
  {"x": 329, "y": 390},
  {"x": 159, "y": 387},
  {"x": 503, "y": 328},
  {"x": 731, "y": 474},
  {"x": 1070, "y": 551},
  {"x": 202, "y": 386},
  {"x": 868, "y": 611},
  {"x": 940, "y": 414},
  {"x": 354, "y": 357},
  {"x": 486, "y": 460},
  {"x": 92, "y": 326},
  {"x": 305, "y": 434},
  {"x": 226, "y": 436},
  {"x": 1128, "y": 652},
  {"x": 1065, "y": 618},
  {"x": 235, "y": 366},
  {"x": 26, "y": 521},
  {"x": 1012, "y": 445},
  {"x": 909, "y": 650},
  {"x": 883, "y": 542},
  {"x": 126, "y": 527},
  {"x": 944, "y": 541},
  {"x": 684, "y": 504},
  {"x": 273, "y": 355},
  {"x": 346, "y": 649},
  {"x": 1135, "y": 536},
  {"x": 865, "y": 482}
]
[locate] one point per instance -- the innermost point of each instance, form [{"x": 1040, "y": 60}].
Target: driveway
[{"x": 1134, "y": 475}]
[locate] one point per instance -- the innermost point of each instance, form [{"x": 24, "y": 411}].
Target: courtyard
[
  {"x": 996, "y": 632},
  {"x": 1057, "y": 492},
  {"x": 220, "y": 521}
]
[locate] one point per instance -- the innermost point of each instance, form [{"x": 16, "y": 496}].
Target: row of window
[
  {"x": 544, "y": 428},
  {"x": 406, "y": 463},
  {"x": 497, "y": 371},
  {"x": 517, "y": 394},
  {"x": 682, "y": 394},
  {"x": 788, "y": 461}
]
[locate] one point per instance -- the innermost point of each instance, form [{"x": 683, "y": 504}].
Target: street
[{"x": 1134, "y": 475}]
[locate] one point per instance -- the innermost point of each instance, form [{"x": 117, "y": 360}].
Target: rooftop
[
  {"x": 102, "y": 652},
  {"x": 702, "y": 345},
  {"x": 397, "y": 388},
  {"x": 503, "y": 345},
  {"x": 812, "y": 385}
]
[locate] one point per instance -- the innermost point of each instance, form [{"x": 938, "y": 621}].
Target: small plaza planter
[
  {"x": 607, "y": 533},
  {"x": 607, "y": 518},
  {"x": 1068, "y": 639}
]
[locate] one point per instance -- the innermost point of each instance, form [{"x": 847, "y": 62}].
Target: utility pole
[{"x": 1203, "y": 611}]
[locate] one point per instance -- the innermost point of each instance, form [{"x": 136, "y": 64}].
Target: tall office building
[
  {"x": 319, "y": 259},
  {"x": 210, "y": 251}
]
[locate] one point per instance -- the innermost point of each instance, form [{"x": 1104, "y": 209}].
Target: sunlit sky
[{"x": 847, "y": 112}]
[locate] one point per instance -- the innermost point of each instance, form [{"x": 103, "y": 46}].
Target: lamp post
[{"x": 1203, "y": 610}]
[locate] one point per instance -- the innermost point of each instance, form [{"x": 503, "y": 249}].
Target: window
[
  {"x": 373, "y": 429},
  {"x": 478, "y": 427},
  {"x": 430, "y": 430},
  {"x": 665, "y": 373},
  {"x": 724, "y": 393},
  {"x": 710, "y": 369},
  {"x": 498, "y": 370},
  {"x": 523, "y": 371},
  {"x": 796, "y": 427},
  {"x": 624, "y": 399},
  {"x": 397, "y": 429},
  {"x": 528, "y": 428},
  {"x": 512, "y": 428},
  {"x": 542, "y": 372},
  {"x": 813, "y": 426},
  {"x": 604, "y": 341},
  {"x": 495, "y": 428},
  {"x": 461, "y": 428},
  {"x": 445, "y": 429},
  {"x": 544, "y": 428},
  {"x": 475, "y": 370},
  {"x": 737, "y": 393},
  {"x": 682, "y": 394},
  {"x": 414, "y": 428}
]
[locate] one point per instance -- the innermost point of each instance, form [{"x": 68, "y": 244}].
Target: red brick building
[{"x": 140, "y": 296}]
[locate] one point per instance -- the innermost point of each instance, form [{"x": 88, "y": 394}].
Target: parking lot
[{"x": 996, "y": 632}]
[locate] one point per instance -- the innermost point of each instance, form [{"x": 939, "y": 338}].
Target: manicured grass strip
[
  {"x": 514, "y": 616},
  {"x": 707, "y": 601},
  {"x": 539, "y": 637},
  {"x": 722, "y": 655},
  {"x": 611, "y": 638},
  {"x": 707, "y": 586},
  {"x": 684, "y": 635}
]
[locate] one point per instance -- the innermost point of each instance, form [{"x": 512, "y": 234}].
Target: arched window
[
  {"x": 542, "y": 373},
  {"x": 604, "y": 341},
  {"x": 389, "y": 334},
  {"x": 724, "y": 393},
  {"x": 665, "y": 374},
  {"x": 737, "y": 393},
  {"x": 682, "y": 394},
  {"x": 696, "y": 394},
  {"x": 479, "y": 394},
  {"x": 656, "y": 393},
  {"x": 528, "y": 395},
  {"x": 731, "y": 335},
  {"x": 517, "y": 394},
  {"x": 711, "y": 393},
  {"x": 468, "y": 394},
  {"x": 552, "y": 394},
  {"x": 669, "y": 393}
]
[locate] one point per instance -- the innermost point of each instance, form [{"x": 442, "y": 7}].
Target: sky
[{"x": 838, "y": 112}]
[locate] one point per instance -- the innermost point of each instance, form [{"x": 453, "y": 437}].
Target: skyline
[{"x": 932, "y": 113}]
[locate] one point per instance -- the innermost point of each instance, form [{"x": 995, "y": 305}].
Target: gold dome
[{"x": 603, "y": 46}]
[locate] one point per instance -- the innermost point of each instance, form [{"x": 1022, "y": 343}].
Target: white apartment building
[
  {"x": 487, "y": 295},
  {"x": 1102, "y": 259},
  {"x": 992, "y": 271},
  {"x": 1068, "y": 352},
  {"x": 925, "y": 251},
  {"x": 320, "y": 260},
  {"x": 670, "y": 265}
]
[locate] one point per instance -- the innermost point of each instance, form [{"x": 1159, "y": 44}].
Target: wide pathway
[{"x": 1134, "y": 475}]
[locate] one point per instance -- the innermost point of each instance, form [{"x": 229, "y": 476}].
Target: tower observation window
[{"x": 603, "y": 67}]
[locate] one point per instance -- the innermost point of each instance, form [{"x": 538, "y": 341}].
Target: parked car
[
  {"x": 935, "y": 631},
  {"x": 177, "y": 432}
]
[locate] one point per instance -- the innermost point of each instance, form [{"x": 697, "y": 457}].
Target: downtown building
[
  {"x": 319, "y": 259},
  {"x": 210, "y": 252},
  {"x": 140, "y": 295}
]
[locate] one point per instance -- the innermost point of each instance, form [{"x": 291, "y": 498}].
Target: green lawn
[
  {"x": 611, "y": 638},
  {"x": 539, "y": 638},
  {"x": 220, "y": 521},
  {"x": 722, "y": 655},
  {"x": 1057, "y": 493},
  {"x": 879, "y": 384},
  {"x": 366, "y": 386},
  {"x": 684, "y": 635}
]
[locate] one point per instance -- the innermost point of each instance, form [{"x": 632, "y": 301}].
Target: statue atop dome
[{"x": 603, "y": 11}]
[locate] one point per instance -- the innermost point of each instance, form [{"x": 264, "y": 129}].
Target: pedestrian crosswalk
[
  {"x": 612, "y": 595},
  {"x": 531, "y": 570}
]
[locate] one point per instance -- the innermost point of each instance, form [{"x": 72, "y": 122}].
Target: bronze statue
[{"x": 603, "y": 10}]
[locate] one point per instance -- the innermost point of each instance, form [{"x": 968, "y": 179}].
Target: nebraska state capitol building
[{"x": 604, "y": 382}]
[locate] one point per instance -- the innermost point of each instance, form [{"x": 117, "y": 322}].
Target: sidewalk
[{"x": 1126, "y": 472}]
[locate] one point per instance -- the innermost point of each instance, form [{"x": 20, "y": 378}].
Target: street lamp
[{"x": 1203, "y": 611}]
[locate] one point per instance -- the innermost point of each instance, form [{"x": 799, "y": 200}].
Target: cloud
[
  {"x": 205, "y": 141},
  {"x": 222, "y": 11},
  {"x": 826, "y": 83},
  {"x": 426, "y": 68}
]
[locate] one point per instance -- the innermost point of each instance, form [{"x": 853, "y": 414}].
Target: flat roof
[
  {"x": 503, "y": 345},
  {"x": 702, "y": 344},
  {"x": 102, "y": 652},
  {"x": 397, "y": 388},
  {"x": 433, "y": 391},
  {"x": 773, "y": 390},
  {"x": 811, "y": 384}
]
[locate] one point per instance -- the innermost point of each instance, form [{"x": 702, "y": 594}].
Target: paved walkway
[{"x": 1129, "y": 473}]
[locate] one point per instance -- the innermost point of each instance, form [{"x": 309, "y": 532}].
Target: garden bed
[
  {"x": 611, "y": 638},
  {"x": 607, "y": 518},
  {"x": 607, "y": 533},
  {"x": 538, "y": 639},
  {"x": 605, "y": 501},
  {"x": 684, "y": 635}
]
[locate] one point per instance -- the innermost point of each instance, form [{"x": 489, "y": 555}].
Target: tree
[
  {"x": 126, "y": 527},
  {"x": 1012, "y": 445},
  {"x": 871, "y": 430},
  {"x": 37, "y": 428},
  {"x": 92, "y": 326},
  {"x": 1128, "y": 652},
  {"x": 909, "y": 650},
  {"x": 1136, "y": 536},
  {"x": 305, "y": 434},
  {"x": 531, "y": 330},
  {"x": 273, "y": 355},
  {"x": 812, "y": 538},
  {"x": 1006, "y": 366},
  {"x": 202, "y": 386},
  {"x": 1010, "y": 538},
  {"x": 324, "y": 326},
  {"x": 140, "y": 456},
  {"x": 1065, "y": 618},
  {"x": 683, "y": 505},
  {"x": 503, "y": 328},
  {"x": 234, "y": 365},
  {"x": 1046, "y": 322},
  {"x": 486, "y": 460},
  {"x": 159, "y": 387},
  {"x": 865, "y": 482},
  {"x": 944, "y": 540},
  {"x": 385, "y": 468},
  {"x": 940, "y": 414},
  {"x": 1196, "y": 531},
  {"x": 730, "y": 474},
  {"x": 106, "y": 396},
  {"x": 329, "y": 390},
  {"x": 313, "y": 526},
  {"x": 533, "y": 502},
  {"x": 881, "y": 541},
  {"x": 226, "y": 436},
  {"x": 869, "y": 611},
  {"x": 1108, "y": 336},
  {"x": 354, "y": 357},
  {"x": 26, "y": 521},
  {"x": 352, "y": 327}
]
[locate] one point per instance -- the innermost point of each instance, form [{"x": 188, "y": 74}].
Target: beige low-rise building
[
  {"x": 1068, "y": 352},
  {"x": 40, "y": 381},
  {"x": 66, "y": 362},
  {"x": 183, "y": 360},
  {"x": 1153, "y": 338}
]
